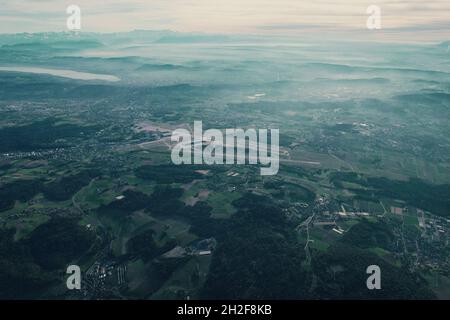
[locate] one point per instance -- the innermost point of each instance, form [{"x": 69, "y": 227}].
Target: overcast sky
[{"x": 227, "y": 16}]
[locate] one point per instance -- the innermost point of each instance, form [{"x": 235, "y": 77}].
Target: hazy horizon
[{"x": 401, "y": 20}]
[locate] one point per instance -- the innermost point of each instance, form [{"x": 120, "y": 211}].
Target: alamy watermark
[
  {"x": 238, "y": 147},
  {"x": 74, "y": 20},
  {"x": 74, "y": 280},
  {"x": 374, "y": 280},
  {"x": 374, "y": 20}
]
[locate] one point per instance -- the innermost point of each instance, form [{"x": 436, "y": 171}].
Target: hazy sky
[{"x": 227, "y": 16}]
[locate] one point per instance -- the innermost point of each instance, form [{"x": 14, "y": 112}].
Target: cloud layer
[{"x": 230, "y": 16}]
